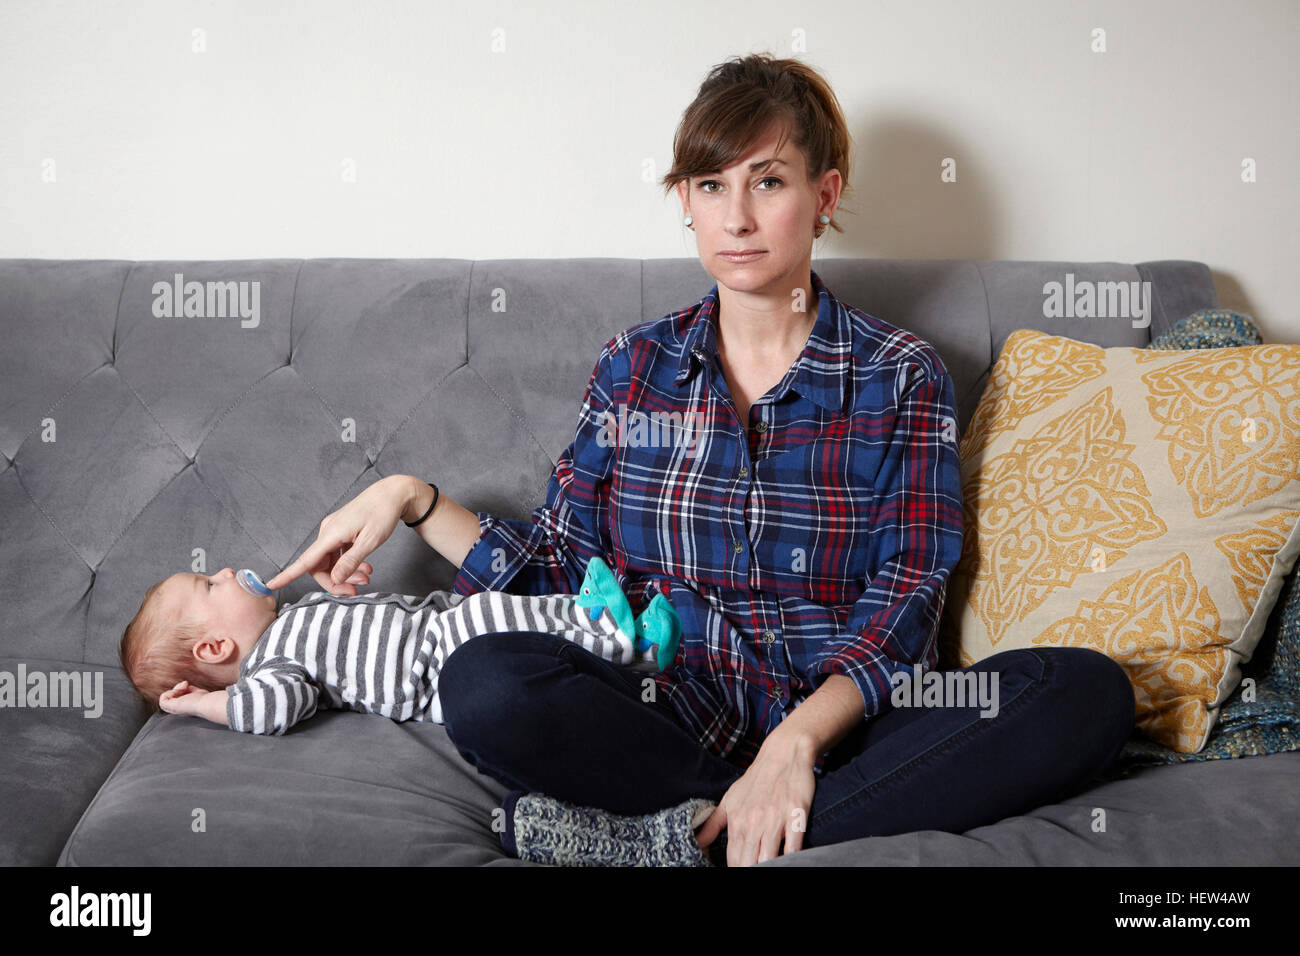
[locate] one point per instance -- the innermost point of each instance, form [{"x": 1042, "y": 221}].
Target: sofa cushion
[
  {"x": 55, "y": 757},
  {"x": 340, "y": 789},
  {"x": 1218, "y": 814},
  {"x": 1142, "y": 503}
]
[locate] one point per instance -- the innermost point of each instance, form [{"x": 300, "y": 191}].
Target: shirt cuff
[
  {"x": 234, "y": 713},
  {"x": 502, "y": 549},
  {"x": 869, "y": 670}
]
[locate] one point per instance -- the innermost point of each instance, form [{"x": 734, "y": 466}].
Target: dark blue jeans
[{"x": 542, "y": 715}]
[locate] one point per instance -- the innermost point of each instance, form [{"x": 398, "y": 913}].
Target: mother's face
[{"x": 771, "y": 209}]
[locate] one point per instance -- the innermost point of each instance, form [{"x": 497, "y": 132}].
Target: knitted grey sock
[{"x": 547, "y": 830}]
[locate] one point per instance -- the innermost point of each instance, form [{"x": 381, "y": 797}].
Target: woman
[{"x": 804, "y": 526}]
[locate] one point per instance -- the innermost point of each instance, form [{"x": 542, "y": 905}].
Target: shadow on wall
[{"x": 900, "y": 207}]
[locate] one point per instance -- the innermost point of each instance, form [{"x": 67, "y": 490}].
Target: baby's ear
[{"x": 214, "y": 648}]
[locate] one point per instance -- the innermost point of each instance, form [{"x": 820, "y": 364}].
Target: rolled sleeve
[
  {"x": 549, "y": 553},
  {"x": 501, "y": 552},
  {"x": 918, "y": 516}
]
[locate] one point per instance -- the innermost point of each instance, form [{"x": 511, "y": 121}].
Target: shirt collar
[{"x": 818, "y": 373}]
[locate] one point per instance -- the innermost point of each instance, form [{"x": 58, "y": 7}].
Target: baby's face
[{"x": 219, "y": 605}]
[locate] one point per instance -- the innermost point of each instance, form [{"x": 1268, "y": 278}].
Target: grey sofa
[{"x": 132, "y": 442}]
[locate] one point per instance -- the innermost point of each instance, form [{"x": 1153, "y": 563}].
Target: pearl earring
[{"x": 688, "y": 220}]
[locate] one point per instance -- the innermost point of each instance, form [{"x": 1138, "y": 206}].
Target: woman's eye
[
  {"x": 209, "y": 585},
  {"x": 714, "y": 182}
]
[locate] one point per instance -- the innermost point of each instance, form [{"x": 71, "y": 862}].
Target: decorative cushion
[
  {"x": 1140, "y": 502},
  {"x": 1262, "y": 716},
  {"x": 1210, "y": 329}
]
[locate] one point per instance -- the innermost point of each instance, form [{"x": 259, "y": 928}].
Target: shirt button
[
  {"x": 768, "y": 637},
  {"x": 761, "y": 427},
  {"x": 744, "y": 472},
  {"x": 739, "y": 547},
  {"x": 777, "y": 694}
]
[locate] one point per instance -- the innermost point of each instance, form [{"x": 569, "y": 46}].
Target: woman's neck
[{"x": 764, "y": 334}]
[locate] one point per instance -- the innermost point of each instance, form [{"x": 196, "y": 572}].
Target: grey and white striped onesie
[{"x": 382, "y": 653}]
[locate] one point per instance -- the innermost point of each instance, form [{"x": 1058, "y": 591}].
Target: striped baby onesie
[{"x": 382, "y": 653}]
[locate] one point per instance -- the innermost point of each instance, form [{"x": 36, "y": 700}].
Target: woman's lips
[{"x": 746, "y": 257}]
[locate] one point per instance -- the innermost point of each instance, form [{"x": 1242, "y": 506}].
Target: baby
[{"x": 216, "y": 647}]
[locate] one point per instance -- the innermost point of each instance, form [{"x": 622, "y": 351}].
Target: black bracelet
[{"x": 412, "y": 524}]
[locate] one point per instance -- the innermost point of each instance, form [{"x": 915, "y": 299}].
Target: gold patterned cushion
[{"x": 1142, "y": 503}]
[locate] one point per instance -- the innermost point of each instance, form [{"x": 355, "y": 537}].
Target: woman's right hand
[{"x": 347, "y": 536}]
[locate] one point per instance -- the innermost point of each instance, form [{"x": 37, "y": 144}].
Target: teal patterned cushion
[
  {"x": 1210, "y": 329},
  {"x": 1270, "y": 723}
]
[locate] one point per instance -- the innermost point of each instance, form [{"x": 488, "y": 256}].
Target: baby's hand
[{"x": 182, "y": 699}]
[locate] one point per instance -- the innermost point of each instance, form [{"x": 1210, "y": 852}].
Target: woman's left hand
[{"x": 768, "y": 804}]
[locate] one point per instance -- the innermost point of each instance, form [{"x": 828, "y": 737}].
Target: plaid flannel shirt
[{"x": 817, "y": 542}]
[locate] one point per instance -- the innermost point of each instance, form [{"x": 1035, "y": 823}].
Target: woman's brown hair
[{"x": 739, "y": 101}]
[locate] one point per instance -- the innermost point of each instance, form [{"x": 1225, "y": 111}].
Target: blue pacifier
[{"x": 250, "y": 582}]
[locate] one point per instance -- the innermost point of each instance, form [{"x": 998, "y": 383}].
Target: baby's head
[{"x": 193, "y": 627}]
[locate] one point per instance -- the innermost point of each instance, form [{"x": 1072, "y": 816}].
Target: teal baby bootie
[
  {"x": 600, "y": 590},
  {"x": 657, "y": 626}
]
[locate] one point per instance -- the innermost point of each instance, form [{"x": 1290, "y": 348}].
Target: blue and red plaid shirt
[{"x": 818, "y": 542}]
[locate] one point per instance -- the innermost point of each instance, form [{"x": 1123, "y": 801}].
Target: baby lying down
[
  {"x": 211, "y": 647},
  {"x": 214, "y": 646}
]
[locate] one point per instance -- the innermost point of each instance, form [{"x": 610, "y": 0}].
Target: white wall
[{"x": 541, "y": 148}]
